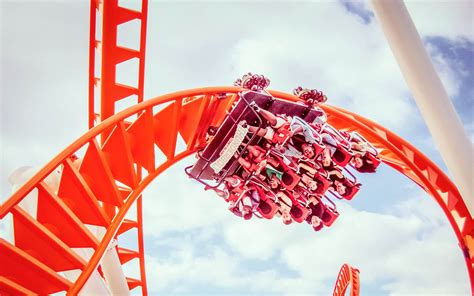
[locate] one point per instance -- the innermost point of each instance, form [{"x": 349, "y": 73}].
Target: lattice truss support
[
  {"x": 116, "y": 56},
  {"x": 45, "y": 248}
]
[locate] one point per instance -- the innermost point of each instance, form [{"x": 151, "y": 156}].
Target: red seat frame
[
  {"x": 305, "y": 211},
  {"x": 343, "y": 146},
  {"x": 331, "y": 210}
]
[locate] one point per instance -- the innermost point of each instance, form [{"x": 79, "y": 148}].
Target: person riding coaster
[
  {"x": 365, "y": 159},
  {"x": 337, "y": 148},
  {"x": 305, "y": 141},
  {"x": 253, "y": 159},
  {"x": 247, "y": 197},
  {"x": 236, "y": 192},
  {"x": 344, "y": 187},
  {"x": 278, "y": 131},
  {"x": 316, "y": 216},
  {"x": 268, "y": 200},
  {"x": 320, "y": 214},
  {"x": 290, "y": 208},
  {"x": 247, "y": 202},
  {"x": 234, "y": 185},
  {"x": 313, "y": 180},
  {"x": 279, "y": 167}
]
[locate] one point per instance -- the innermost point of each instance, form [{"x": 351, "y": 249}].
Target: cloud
[
  {"x": 450, "y": 72},
  {"x": 180, "y": 207},
  {"x": 452, "y": 21},
  {"x": 193, "y": 243},
  {"x": 363, "y": 78},
  {"x": 404, "y": 249},
  {"x": 358, "y": 8}
]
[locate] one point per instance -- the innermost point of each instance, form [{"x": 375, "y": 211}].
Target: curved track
[
  {"x": 348, "y": 276},
  {"x": 104, "y": 187}
]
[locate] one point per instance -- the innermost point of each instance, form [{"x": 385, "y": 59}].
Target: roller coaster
[{"x": 104, "y": 172}]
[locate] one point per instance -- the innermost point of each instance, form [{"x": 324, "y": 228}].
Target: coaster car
[{"x": 216, "y": 160}]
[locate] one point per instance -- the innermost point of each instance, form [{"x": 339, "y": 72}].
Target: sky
[{"x": 392, "y": 230}]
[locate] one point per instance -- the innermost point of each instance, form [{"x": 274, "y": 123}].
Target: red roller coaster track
[
  {"x": 348, "y": 276},
  {"x": 132, "y": 142},
  {"x": 122, "y": 144}
]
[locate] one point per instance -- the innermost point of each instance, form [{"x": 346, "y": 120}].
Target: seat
[
  {"x": 371, "y": 154},
  {"x": 342, "y": 156},
  {"x": 267, "y": 207},
  {"x": 352, "y": 184},
  {"x": 353, "y": 187},
  {"x": 330, "y": 212},
  {"x": 343, "y": 153},
  {"x": 282, "y": 135},
  {"x": 290, "y": 178},
  {"x": 298, "y": 212},
  {"x": 323, "y": 180}
]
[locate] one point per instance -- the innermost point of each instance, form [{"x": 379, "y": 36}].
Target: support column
[
  {"x": 112, "y": 268},
  {"x": 436, "y": 108}
]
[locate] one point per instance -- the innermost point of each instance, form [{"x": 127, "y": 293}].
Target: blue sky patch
[{"x": 358, "y": 8}]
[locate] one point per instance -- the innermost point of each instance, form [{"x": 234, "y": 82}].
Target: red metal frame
[
  {"x": 348, "y": 276},
  {"x": 151, "y": 129},
  {"x": 112, "y": 16}
]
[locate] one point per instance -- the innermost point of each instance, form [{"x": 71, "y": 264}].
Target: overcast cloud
[{"x": 392, "y": 231}]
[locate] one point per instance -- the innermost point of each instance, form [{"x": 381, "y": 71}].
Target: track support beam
[{"x": 433, "y": 102}]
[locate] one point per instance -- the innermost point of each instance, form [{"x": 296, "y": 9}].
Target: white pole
[
  {"x": 436, "y": 108},
  {"x": 112, "y": 268}
]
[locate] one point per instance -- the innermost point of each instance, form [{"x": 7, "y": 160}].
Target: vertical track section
[
  {"x": 108, "y": 54},
  {"x": 109, "y": 16},
  {"x": 107, "y": 177}
]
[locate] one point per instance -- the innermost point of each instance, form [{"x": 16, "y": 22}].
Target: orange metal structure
[
  {"x": 109, "y": 176},
  {"x": 103, "y": 79},
  {"x": 110, "y": 16},
  {"x": 348, "y": 276},
  {"x": 120, "y": 161}
]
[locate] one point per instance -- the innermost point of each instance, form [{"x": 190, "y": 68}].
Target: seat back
[
  {"x": 323, "y": 180},
  {"x": 371, "y": 153},
  {"x": 343, "y": 153},
  {"x": 330, "y": 213},
  {"x": 329, "y": 216},
  {"x": 375, "y": 159},
  {"x": 353, "y": 190},
  {"x": 318, "y": 149},
  {"x": 267, "y": 207},
  {"x": 290, "y": 179},
  {"x": 342, "y": 156},
  {"x": 298, "y": 212}
]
